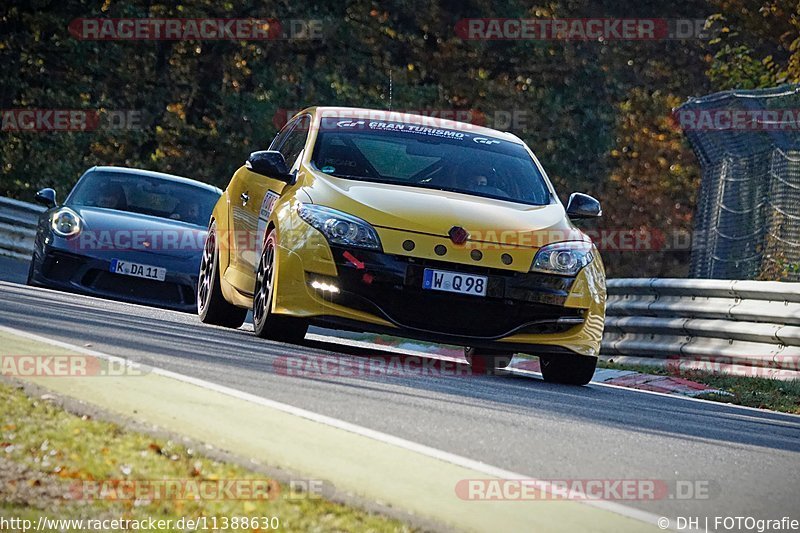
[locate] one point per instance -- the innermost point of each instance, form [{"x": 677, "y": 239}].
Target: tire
[
  {"x": 267, "y": 324},
  {"x": 212, "y": 307},
  {"x": 568, "y": 369},
  {"x": 488, "y": 362}
]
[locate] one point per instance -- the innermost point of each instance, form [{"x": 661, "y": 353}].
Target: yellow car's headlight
[
  {"x": 565, "y": 258},
  {"x": 65, "y": 222},
  {"x": 340, "y": 228}
]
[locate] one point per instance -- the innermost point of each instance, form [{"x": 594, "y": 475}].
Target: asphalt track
[{"x": 748, "y": 458}]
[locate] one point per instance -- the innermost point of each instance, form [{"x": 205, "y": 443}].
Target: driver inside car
[
  {"x": 475, "y": 177},
  {"x": 187, "y": 211},
  {"x": 111, "y": 196}
]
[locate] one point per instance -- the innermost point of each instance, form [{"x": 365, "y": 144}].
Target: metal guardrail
[
  {"x": 739, "y": 327},
  {"x": 18, "y": 227}
]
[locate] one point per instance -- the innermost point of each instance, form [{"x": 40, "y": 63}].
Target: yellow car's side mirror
[{"x": 271, "y": 164}]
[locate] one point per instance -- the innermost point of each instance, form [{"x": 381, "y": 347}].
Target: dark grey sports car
[{"x": 125, "y": 234}]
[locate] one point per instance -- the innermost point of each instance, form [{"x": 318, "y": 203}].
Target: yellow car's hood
[{"x": 435, "y": 212}]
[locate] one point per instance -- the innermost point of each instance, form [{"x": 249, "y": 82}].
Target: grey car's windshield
[
  {"x": 136, "y": 193},
  {"x": 429, "y": 157}
]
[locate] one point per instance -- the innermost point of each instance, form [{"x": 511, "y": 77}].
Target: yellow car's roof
[{"x": 411, "y": 118}]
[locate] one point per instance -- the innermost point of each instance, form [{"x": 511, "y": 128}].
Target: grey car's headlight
[
  {"x": 340, "y": 228},
  {"x": 65, "y": 222},
  {"x": 565, "y": 258}
]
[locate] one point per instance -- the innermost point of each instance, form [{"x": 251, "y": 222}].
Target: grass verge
[
  {"x": 49, "y": 456},
  {"x": 776, "y": 395}
]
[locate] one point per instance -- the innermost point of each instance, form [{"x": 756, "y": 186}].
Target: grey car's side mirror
[
  {"x": 270, "y": 163},
  {"x": 46, "y": 197},
  {"x": 583, "y": 206}
]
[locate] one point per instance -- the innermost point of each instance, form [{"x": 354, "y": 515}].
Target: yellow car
[{"x": 394, "y": 223}]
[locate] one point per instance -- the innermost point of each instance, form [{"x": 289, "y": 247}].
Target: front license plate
[
  {"x": 140, "y": 271},
  {"x": 442, "y": 280}
]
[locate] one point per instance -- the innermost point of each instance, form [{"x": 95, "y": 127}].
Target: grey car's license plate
[{"x": 138, "y": 270}]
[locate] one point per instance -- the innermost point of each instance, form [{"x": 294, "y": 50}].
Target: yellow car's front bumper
[{"x": 381, "y": 291}]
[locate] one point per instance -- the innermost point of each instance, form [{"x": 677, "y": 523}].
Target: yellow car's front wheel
[{"x": 267, "y": 324}]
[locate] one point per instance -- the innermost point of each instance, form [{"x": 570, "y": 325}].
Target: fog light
[{"x": 325, "y": 287}]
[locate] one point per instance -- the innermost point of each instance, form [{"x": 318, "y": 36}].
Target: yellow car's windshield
[{"x": 429, "y": 157}]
